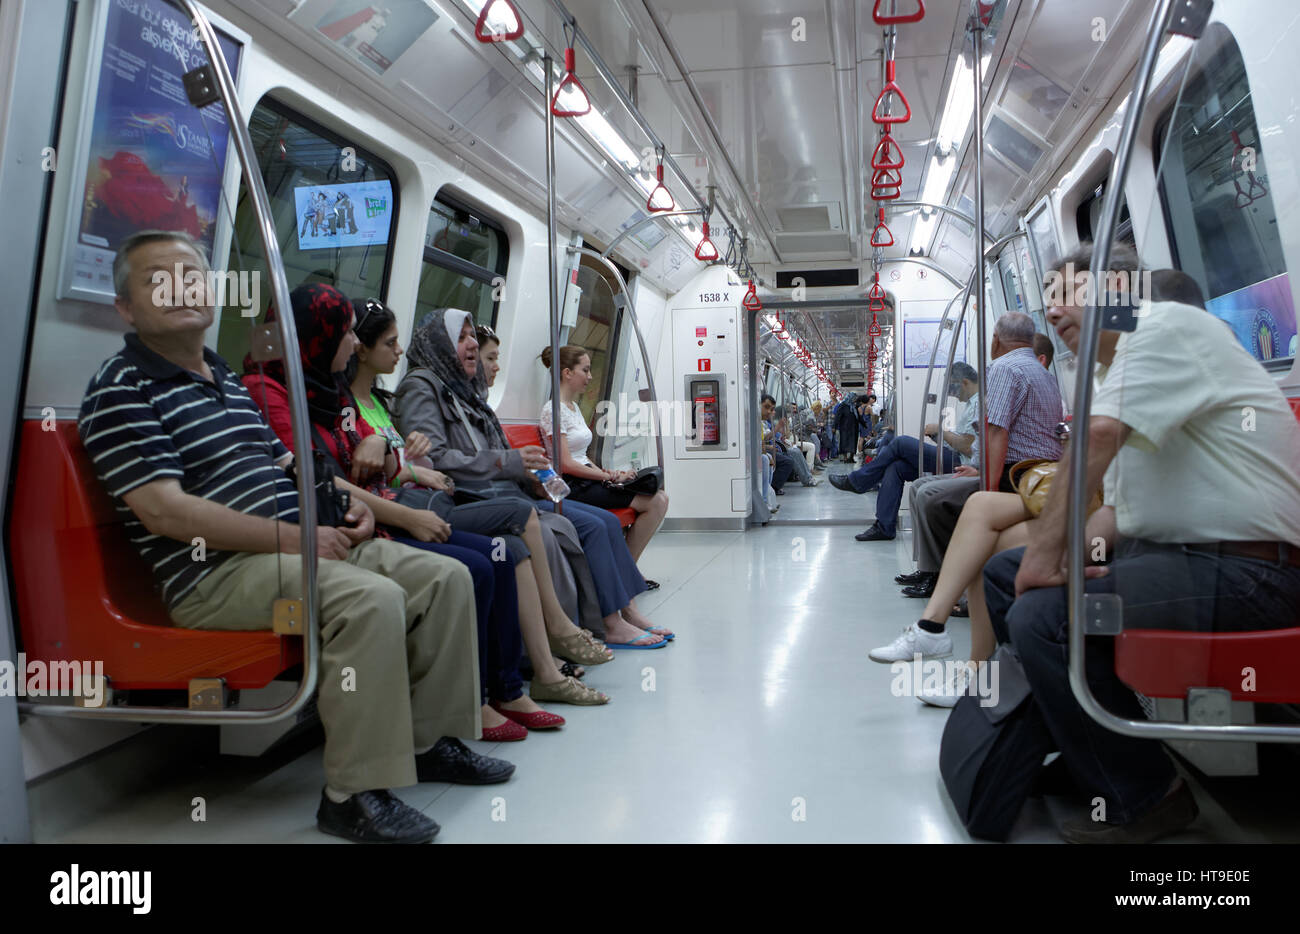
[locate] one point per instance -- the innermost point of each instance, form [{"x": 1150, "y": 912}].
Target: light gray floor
[{"x": 766, "y": 706}]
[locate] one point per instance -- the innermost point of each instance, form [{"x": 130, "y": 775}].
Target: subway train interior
[{"x": 750, "y": 251}]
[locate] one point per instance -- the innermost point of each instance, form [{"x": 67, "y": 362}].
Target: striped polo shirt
[{"x": 145, "y": 418}]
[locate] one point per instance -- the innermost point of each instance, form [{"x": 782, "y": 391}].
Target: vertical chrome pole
[
  {"x": 557, "y": 437},
  {"x": 977, "y": 34}
]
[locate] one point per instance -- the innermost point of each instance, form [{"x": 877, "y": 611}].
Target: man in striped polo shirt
[{"x": 183, "y": 450}]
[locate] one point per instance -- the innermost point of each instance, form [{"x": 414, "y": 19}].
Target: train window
[
  {"x": 1219, "y": 212},
  {"x": 335, "y": 206},
  {"x": 1089, "y": 214},
  {"x": 597, "y": 327},
  {"x": 465, "y": 261}
]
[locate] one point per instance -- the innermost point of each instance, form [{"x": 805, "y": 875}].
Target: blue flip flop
[{"x": 628, "y": 645}]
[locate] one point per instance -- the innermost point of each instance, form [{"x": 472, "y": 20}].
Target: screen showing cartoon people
[{"x": 349, "y": 214}]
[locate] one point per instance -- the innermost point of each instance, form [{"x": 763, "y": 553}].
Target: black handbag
[
  {"x": 647, "y": 482},
  {"x": 990, "y": 755},
  {"x": 332, "y": 504},
  {"x": 421, "y": 497}
]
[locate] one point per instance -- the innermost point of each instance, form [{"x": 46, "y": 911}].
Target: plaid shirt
[{"x": 1025, "y": 400}]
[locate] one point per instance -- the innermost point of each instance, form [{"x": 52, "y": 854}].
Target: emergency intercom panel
[
  {"x": 707, "y": 428},
  {"x": 704, "y": 382}
]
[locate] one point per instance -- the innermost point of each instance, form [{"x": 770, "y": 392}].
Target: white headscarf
[{"x": 454, "y": 322}]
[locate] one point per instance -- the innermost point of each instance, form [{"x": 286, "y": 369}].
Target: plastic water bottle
[
  {"x": 553, "y": 483},
  {"x": 636, "y": 461}
]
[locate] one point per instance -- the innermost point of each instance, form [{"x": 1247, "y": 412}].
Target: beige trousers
[{"x": 399, "y": 650}]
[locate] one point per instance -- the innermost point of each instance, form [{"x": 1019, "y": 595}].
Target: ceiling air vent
[{"x": 810, "y": 218}]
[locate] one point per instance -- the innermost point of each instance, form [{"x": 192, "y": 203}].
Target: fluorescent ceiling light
[{"x": 954, "y": 124}]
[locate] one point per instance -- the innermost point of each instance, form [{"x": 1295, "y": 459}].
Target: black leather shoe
[
  {"x": 961, "y": 610},
  {"x": 374, "y": 817},
  {"x": 651, "y": 585},
  {"x": 914, "y": 578},
  {"x": 923, "y": 588},
  {"x": 1170, "y": 815},
  {"x": 873, "y": 534},
  {"x": 450, "y": 760},
  {"x": 841, "y": 482}
]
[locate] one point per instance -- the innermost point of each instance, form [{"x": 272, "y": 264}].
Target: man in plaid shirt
[{"x": 1024, "y": 402}]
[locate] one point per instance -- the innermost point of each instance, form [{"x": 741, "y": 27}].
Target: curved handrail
[
  {"x": 225, "y": 87},
  {"x": 1088, "y": 342},
  {"x": 636, "y": 329}
]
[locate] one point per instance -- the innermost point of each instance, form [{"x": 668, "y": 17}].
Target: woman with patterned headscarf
[
  {"x": 444, "y": 397},
  {"x": 323, "y": 317}
]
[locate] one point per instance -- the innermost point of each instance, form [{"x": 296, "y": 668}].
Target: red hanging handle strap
[
  {"x": 891, "y": 193},
  {"x": 896, "y": 19},
  {"x": 750, "y": 301},
  {"x": 880, "y": 158},
  {"x": 570, "y": 78},
  {"x": 891, "y": 87},
  {"x": 881, "y": 231},
  {"x": 886, "y": 178},
  {"x": 483, "y": 34}
]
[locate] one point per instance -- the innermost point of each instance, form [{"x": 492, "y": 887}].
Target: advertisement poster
[
  {"x": 1262, "y": 316},
  {"x": 348, "y": 214},
  {"x": 154, "y": 161},
  {"x": 377, "y": 32},
  {"x": 919, "y": 335}
]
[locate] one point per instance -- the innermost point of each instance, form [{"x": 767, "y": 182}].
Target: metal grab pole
[
  {"x": 952, "y": 349},
  {"x": 552, "y": 278},
  {"x": 298, "y": 420},
  {"x": 977, "y": 36},
  {"x": 640, "y": 340},
  {"x": 1088, "y": 343},
  {"x": 929, "y": 377}
]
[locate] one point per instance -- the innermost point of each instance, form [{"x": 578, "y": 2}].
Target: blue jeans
[
  {"x": 893, "y": 466},
  {"x": 612, "y": 568},
  {"x": 1163, "y": 586},
  {"x": 496, "y": 601}
]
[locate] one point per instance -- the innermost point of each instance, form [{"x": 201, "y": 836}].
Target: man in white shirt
[{"x": 1200, "y": 452}]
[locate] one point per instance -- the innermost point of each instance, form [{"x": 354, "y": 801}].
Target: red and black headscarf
[{"x": 322, "y": 316}]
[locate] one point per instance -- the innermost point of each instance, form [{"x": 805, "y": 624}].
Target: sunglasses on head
[
  {"x": 483, "y": 332},
  {"x": 369, "y": 306}
]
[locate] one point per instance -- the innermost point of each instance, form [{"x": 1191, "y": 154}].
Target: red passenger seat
[
  {"x": 1167, "y": 663},
  {"x": 83, "y": 592},
  {"x": 521, "y": 436}
]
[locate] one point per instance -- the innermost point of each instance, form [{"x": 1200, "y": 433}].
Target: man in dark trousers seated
[{"x": 1205, "y": 534}]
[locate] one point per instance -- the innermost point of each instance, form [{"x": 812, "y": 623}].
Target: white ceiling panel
[{"x": 731, "y": 34}]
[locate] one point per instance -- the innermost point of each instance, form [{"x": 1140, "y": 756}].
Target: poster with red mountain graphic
[{"x": 153, "y": 160}]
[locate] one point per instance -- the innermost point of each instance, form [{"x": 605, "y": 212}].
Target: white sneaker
[
  {"x": 954, "y": 686},
  {"x": 811, "y": 481},
  {"x": 914, "y": 641}
]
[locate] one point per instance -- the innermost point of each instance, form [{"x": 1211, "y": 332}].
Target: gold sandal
[
  {"x": 568, "y": 691},
  {"x": 579, "y": 647}
]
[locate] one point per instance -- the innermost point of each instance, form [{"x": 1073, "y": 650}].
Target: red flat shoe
[
  {"x": 537, "y": 720},
  {"x": 507, "y": 732}
]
